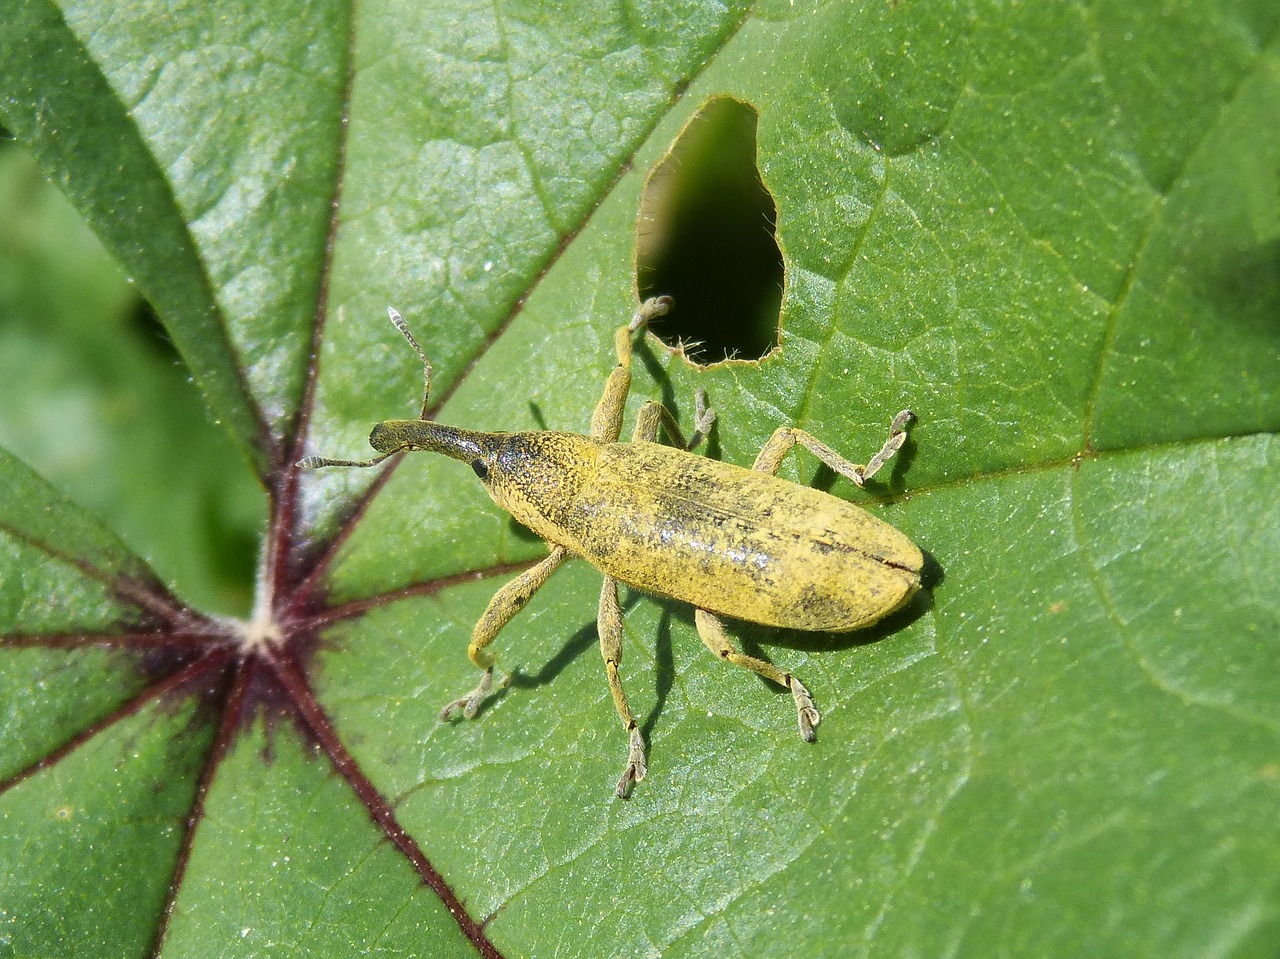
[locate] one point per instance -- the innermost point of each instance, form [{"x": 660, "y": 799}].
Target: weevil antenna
[
  {"x": 317, "y": 462},
  {"x": 403, "y": 327}
]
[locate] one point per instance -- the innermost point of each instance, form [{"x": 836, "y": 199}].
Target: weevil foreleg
[
  {"x": 609, "y": 626},
  {"x": 606, "y": 421},
  {"x": 713, "y": 633},
  {"x": 785, "y": 437},
  {"x": 506, "y": 602}
]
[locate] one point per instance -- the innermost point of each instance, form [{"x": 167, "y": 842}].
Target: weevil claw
[
  {"x": 470, "y": 703},
  {"x": 650, "y": 309},
  {"x": 636, "y": 768},
  {"x": 805, "y": 710}
]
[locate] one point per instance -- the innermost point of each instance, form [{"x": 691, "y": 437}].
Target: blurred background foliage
[{"x": 95, "y": 398}]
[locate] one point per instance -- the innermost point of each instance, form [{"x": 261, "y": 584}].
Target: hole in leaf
[{"x": 706, "y": 238}]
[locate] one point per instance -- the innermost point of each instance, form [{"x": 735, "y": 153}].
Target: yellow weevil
[{"x": 731, "y": 541}]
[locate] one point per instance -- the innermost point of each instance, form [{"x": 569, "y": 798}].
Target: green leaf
[
  {"x": 1051, "y": 230},
  {"x": 332, "y": 880}
]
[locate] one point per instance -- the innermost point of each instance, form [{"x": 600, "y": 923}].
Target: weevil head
[{"x": 534, "y": 476}]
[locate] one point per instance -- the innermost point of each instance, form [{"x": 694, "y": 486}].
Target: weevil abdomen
[{"x": 743, "y": 543}]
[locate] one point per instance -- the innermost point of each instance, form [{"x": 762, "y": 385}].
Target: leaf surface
[{"x": 1053, "y": 231}]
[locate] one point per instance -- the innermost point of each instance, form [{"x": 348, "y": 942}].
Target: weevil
[{"x": 729, "y": 541}]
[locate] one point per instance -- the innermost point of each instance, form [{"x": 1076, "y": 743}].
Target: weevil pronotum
[{"x": 730, "y": 541}]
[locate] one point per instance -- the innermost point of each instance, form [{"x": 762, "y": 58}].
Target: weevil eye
[{"x": 480, "y": 469}]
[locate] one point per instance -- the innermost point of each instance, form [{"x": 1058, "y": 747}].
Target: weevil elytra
[{"x": 729, "y": 541}]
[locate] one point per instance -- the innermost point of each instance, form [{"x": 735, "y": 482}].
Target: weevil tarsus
[
  {"x": 650, "y": 309},
  {"x": 713, "y": 633},
  {"x": 609, "y": 626}
]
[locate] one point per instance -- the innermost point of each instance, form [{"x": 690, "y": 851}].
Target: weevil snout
[
  {"x": 395, "y": 436},
  {"x": 385, "y": 437}
]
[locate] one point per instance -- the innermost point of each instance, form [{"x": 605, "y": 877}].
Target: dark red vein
[
  {"x": 295, "y": 685},
  {"x": 217, "y": 752},
  {"x": 188, "y": 674},
  {"x": 78, "y": 640},
  {"x": 358, "y": 607},
  {"x": 282, "y": 534},
  {"x": 144, "y": 592},
  {"x": 151, "y": 596}
]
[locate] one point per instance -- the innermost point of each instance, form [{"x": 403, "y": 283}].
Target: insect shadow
[
  {"x": 538, "y": 417},
  {"x": 588, "y": 637},
  {"x": 584, "y": 639}
]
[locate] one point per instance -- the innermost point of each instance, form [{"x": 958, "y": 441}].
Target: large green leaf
[{"x": 1053, "y": 231}]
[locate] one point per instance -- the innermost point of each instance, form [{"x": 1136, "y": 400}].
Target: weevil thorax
[{"x": 536, "y": 476}]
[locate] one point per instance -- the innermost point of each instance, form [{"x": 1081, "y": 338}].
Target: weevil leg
[
  {"x": 609, "y": 626},
  {"x": 713, "y": 633},
  {"x": 785, "y": 437},
  {"x": 506, "y": 602},
  {"x": 654, "y": 415},
  {"x": 606, "y": 421}
]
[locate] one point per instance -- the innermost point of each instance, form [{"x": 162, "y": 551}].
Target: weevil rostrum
[{"x": 729, "y": 541}]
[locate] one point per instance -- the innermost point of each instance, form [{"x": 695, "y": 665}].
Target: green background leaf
[{"x": 1051, "y": 230}]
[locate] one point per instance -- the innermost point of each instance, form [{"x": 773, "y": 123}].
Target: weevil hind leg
[
  {"x": 506, "y": 602},
  {"x": 609, "y": 625},
  {"x": 786, "y": 437},
  {"x": 716, "y": 638}
]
